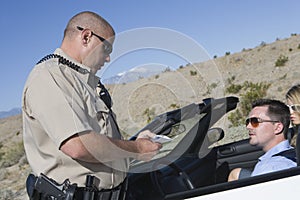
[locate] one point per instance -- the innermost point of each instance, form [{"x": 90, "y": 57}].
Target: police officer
[{"x": 69, "y": 130}]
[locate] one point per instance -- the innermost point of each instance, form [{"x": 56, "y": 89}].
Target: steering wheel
[{"x": 156, "y": 175}]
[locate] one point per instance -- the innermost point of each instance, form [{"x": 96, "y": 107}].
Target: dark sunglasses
[
  {"x": 255, "y": 121},
  {"x": 295, "y": 107},
  {"x": 107, "y": 45}
]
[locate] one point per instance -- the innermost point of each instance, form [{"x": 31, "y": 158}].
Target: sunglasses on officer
[
  {"x": 255, "y": 121},
  {"x": 106, "y": 44},
  {"x": 294, "y": 107}
]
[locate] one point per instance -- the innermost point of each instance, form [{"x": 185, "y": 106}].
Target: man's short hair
[
  {"x": 277, "y": 110},
  {"x": 88, "y": 19}
]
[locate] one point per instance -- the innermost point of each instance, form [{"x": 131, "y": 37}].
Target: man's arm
[
  {"x": 95, "y": 148},
  {"x": 234, "y": 174}
]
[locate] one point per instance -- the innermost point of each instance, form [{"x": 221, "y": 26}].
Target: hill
[
  {"x": 12, "y": 112},
  {"x": 137, "y": 102}
]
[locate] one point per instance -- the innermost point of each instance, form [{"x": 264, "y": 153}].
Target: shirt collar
[
  {"x": 282, "y": 146},
  {"x": 60, "y": 52},
  {"x": 89, "y": 77}
]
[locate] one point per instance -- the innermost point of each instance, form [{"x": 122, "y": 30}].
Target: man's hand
[{"x": 146, "y": 148}]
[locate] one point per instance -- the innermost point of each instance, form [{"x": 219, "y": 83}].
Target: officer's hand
[{"x": 146, "y": 148}]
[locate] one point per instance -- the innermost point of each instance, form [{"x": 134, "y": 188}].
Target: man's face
[
  {"x": 96, "y": 54},
  {"x": 264, "y": 134},
  {"x": 96, "y": 58}
]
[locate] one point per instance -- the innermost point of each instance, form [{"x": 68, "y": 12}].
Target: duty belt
[
  {"x": 45, "y": 188},
  {"x": 104, "y": 194}
]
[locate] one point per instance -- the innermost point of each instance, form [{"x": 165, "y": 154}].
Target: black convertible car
[{"x": 191, "y": 166}]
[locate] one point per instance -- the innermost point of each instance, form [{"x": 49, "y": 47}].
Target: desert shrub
[
  {"x": 298, "y": 46},
  {"x": 252, "y": 91},
  {"x": 281, "y": 61},
  {"x": 209, "y": 88},
  {"x": 231, "y": 79},
  {"x": 149, "y": 114},
  {"x": 156, "y": 76},
  {"x": 212, "y": 86},
  {"x": 234, "y": 89},
  {"x": 193, "y": 73},
  {"x": 174, "y": 106},
  {"x": 1, "y": 151},
  {"x": 12, "y": 154},
  {"x": 227, "y": 53},
  {"x": 280, "y": 89}
]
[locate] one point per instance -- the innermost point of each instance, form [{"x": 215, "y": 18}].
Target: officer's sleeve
[{"x": 57, "y": 106}]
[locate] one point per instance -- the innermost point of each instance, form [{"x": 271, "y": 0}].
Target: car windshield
[
  {"x": 176, "y": 132},
  {"x": 186, "y": 127}
]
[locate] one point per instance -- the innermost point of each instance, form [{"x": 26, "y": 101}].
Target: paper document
[{"x": 161, "y": 139}]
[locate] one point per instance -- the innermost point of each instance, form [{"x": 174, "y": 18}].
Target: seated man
[{"x": 268, "y": 124}]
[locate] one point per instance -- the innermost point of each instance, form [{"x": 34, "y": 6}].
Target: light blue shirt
[{"x": 269, "y": 163}]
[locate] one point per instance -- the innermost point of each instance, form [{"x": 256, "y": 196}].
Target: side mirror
[{"x": 213, "y": 135}]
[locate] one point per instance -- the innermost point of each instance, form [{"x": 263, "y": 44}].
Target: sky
[{"x": 31, "y": 29}]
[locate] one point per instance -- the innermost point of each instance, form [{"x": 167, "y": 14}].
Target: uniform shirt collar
[{"x": 89, "y": 77}]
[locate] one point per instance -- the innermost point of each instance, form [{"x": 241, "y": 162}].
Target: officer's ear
[{"x": 86, "y": 35}]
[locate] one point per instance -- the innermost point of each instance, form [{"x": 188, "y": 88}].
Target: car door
[
  {"x": 238, "y": 154},
  {"x": 181, "y": 166}
]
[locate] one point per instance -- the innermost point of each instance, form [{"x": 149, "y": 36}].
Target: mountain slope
[
  {"x": 14, "y": 111},
  {"x": 192, "y": 83}
]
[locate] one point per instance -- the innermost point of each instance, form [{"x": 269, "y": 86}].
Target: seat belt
[{"x": 289, "y": 154}]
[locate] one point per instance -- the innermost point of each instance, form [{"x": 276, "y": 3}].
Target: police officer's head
[{"x": 88, "y": 38}]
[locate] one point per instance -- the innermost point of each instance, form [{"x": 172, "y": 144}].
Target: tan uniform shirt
[{"x": 59, "y": 102}]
